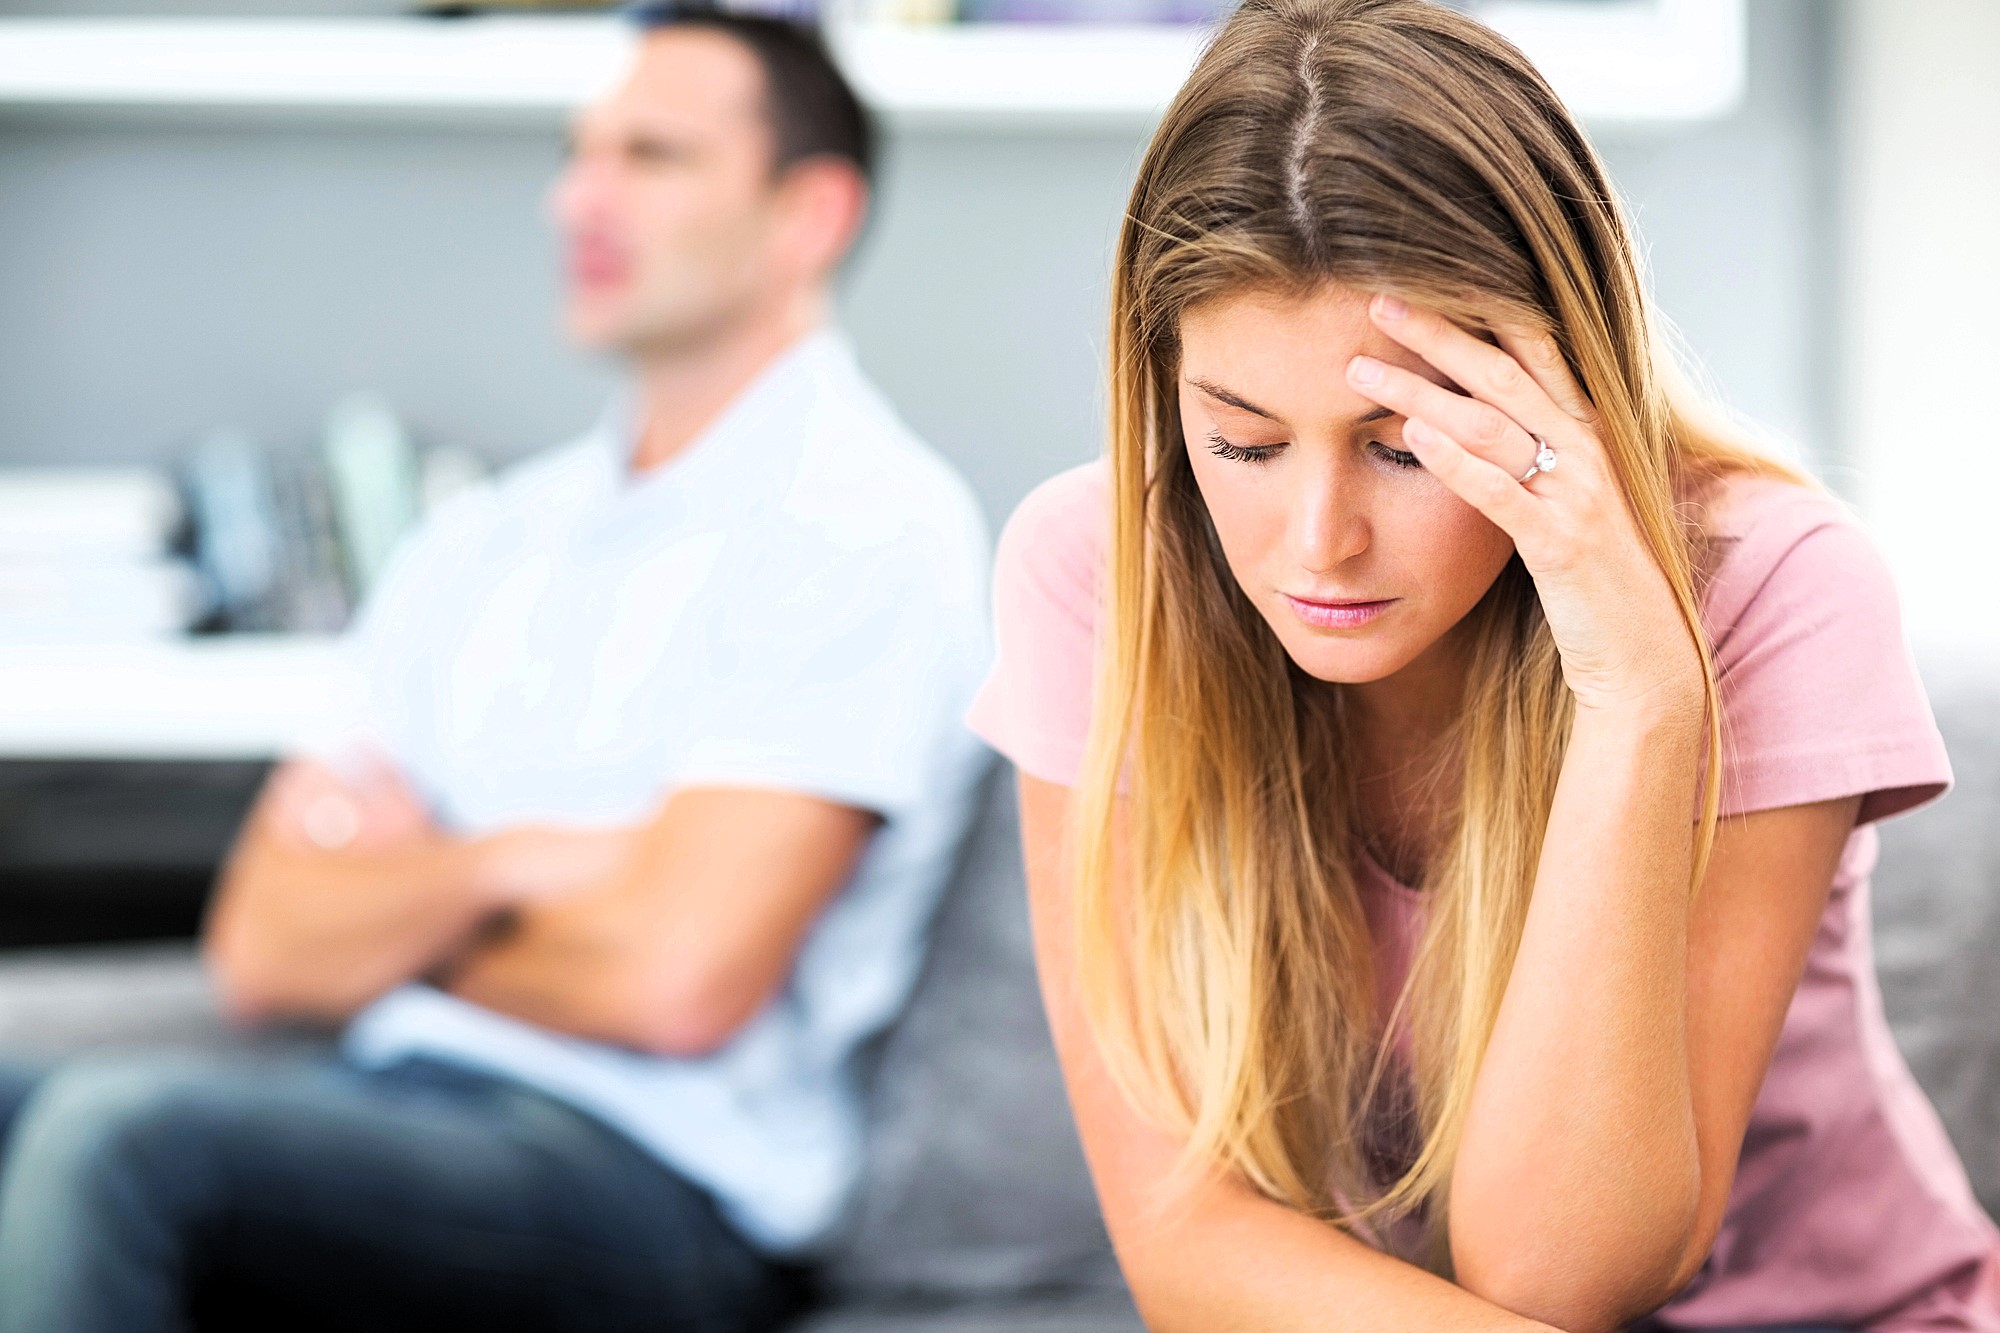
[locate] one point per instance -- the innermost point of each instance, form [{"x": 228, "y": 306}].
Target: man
[{"x": 659, "y": 776}]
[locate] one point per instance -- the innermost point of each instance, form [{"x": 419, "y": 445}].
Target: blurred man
[{"x": 658, "y": 780}]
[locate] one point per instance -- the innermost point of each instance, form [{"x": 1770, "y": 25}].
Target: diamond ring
[{"x": 1545, "y": 461}]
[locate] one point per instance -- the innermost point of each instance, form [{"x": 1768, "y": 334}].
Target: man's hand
[
  {"x": 339, "y": 888},
  {"x": 363, "y": 807}
]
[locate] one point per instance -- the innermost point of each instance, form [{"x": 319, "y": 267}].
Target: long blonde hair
[{"x": 1385, "y": 145}]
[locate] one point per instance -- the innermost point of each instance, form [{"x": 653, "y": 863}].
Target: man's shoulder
[{"x": 866, "y": 479}]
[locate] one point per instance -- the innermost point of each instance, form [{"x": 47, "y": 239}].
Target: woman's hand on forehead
[{"x": 1606, "y": 599}]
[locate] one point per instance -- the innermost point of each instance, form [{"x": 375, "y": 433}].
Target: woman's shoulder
[
  {"x": 1772, "y": 542},
  {"x": 1052, "y": 551},
  {"x": 1035, "y": 707},
  {"x": 1072, "y": 508},
  {"x": 1820, "y": 694}
]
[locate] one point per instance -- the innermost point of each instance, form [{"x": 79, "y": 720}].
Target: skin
[
  {"x": 1579, "y": 1211},
  {"x": 693, "y": 256}
]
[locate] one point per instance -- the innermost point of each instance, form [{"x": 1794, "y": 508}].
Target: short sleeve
[
  {"x": 1035, "y": 705},
  {"x": 1820, "y": 694}
]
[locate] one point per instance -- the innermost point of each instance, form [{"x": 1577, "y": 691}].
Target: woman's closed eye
[
  {"x": 1399, "y": 457},
  {"x": 1237, "y": 453}
]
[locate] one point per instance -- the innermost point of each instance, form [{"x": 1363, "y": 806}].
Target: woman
[{"x": 1446, "y": 757}]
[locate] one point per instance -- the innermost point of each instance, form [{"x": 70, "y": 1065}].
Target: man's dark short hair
[{"x": 813, "y": 109}]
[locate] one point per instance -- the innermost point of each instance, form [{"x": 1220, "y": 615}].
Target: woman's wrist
[{"x": 1664, "y": 703}]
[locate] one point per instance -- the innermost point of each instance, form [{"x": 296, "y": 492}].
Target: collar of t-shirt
[{"x": 755, "y": 439}]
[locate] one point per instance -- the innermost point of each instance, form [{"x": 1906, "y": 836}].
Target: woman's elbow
[{"x": 1596, "y": 1283}]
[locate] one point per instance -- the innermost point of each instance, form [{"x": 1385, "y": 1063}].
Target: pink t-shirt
[{"x": 1850, "y": 1207}]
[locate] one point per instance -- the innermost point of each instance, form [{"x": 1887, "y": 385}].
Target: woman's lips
[{"x": 1337, "y": 615}]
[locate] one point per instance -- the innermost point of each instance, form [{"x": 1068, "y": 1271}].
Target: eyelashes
[{"x": 1237, "y": 453}]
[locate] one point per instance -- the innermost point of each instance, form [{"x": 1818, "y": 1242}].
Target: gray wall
[
  {"x": 1738, "y": 219},
  {"x": 161, "y": 277}
]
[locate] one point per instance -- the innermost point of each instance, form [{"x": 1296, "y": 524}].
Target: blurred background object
[{"x": 87, "y": 553}]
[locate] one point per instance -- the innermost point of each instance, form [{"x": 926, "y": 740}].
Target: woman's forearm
[
  {"x": 1236, "y": 1260},
  {"x": 1574, "y": 1194}
]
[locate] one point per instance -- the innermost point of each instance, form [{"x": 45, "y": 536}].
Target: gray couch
[{"x": 977, "y": 1215}]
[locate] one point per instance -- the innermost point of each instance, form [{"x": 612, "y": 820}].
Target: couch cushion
[
  {"x": 62, "y": 1001},
  {"x": 1937, "y": 924},
  {"x": 975, "y": 1183}
]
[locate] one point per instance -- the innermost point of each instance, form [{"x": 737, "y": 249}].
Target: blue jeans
[{"x": 164, "y": 1195}]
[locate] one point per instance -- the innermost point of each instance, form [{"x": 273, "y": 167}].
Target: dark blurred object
[
  {"x": 263, "y": 535},
  {"x": 290, "y": 541},
  {"x": 232, "y": 508},
  {"x": 95, "y": 850}
]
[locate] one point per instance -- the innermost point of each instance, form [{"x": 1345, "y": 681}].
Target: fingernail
[
  {"x": 1417, "y": 431},
  {"x": 1365, "y": 370},
  {"x": 1390, "y": 307}
]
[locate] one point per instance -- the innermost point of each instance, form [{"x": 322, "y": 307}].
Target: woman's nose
[{"x": 1330, "y": 524}]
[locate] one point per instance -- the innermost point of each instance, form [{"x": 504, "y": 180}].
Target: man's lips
[
  {"x": 596, "y": 266},
  {"x": 1344, "y": 614}
]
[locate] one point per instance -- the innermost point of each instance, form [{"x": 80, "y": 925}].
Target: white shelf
[
  {"x": 1625, "y": 62},
  {"x": 234, "y": 697},
  {"x": 543, "y": 66}
]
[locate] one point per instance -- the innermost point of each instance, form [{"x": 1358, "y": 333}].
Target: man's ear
[{"x": 823, "y": 202}]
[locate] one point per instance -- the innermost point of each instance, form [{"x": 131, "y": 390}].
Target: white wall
[{"x": 1920, "y": 383}]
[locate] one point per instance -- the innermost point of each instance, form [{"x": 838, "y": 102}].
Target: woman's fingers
[
  {"x": 1541, "y": 358},
  {"x": 1484, "y": 485},
  {"x": 1480, "y": 427},
  {"x": 1483, "y": 370}
]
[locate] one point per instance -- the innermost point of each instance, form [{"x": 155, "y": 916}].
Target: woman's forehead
[{"x": 1284, "y": 356}]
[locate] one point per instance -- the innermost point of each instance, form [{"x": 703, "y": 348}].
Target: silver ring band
[{"x": 1545, "y": 461}]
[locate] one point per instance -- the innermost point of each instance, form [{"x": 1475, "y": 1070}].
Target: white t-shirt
[{"x": 796, "y": 601}]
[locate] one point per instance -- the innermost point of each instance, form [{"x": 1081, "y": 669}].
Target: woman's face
[{"x": 1358, "y": 558}]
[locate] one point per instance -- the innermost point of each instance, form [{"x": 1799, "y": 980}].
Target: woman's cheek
[
  {"x": 1466, "y": 553},
  {"x": 1252, "y": 530}
]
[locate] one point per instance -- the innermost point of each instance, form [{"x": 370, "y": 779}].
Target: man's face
[{"x": 668, "y": 207}]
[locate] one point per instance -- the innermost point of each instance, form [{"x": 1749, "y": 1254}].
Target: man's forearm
[
  {"x": 609, "y": 966},
  {"x": 1578, "y": 1176},
  {"x": 299, "y": 931}
]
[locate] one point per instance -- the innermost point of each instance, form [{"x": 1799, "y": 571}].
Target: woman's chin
[{"x": 1344, "y": 663}]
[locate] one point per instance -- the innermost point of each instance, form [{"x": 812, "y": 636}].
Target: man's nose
[{"x": 579, "y": 191}]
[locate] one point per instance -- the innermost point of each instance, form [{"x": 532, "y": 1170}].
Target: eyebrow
[{"x": 1222, "y": 395}]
